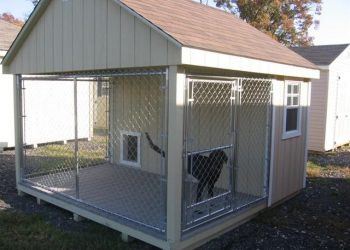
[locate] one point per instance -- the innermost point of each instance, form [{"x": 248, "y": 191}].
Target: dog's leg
[
  {"x": 200, "y": 188},
  {"x": 211, "y": 185}
]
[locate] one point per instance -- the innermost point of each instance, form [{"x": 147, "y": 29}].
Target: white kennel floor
[{"x": 131, "y": 194}]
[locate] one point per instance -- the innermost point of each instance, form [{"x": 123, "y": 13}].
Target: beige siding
[
  {"x": 288, "y": 169},
  {"x": 338, "y": 130},
  {"x": 91, "y": 34},
  {"x": 318, "y": 112},
  {"x": 137, "y": 107}
]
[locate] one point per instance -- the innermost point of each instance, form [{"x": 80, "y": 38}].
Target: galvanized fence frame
[{"x": 229, "y": 205}]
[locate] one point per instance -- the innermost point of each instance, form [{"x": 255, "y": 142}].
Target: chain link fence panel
[{"x": 101, "y": 142}]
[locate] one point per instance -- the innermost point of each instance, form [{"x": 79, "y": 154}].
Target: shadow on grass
[{"x": 21, "y": 231}]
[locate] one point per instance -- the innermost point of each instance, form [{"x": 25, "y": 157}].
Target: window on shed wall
[{"x": 292, "y": 110}]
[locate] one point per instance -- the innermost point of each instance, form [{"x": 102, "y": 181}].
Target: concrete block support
[{"x": 77, "y": 217}]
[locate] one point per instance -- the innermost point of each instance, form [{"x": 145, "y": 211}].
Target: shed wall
[
  {"x": 49, "y": 111},
  {"x": 318, "y": 112},
  {"x": 338, "y": 129},
  {"x": 136, "y": 106},
  {"x": 91, "y": 34},
  {"x": 48, "y": 115},
  {"x": 7, "y": 133},
  {"x": 288, "y": 169}
]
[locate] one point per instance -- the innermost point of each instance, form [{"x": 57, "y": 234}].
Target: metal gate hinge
[{"x": 238, "y": 88}]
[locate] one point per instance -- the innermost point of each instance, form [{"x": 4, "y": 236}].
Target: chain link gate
[{"x": 220, "y": 116}]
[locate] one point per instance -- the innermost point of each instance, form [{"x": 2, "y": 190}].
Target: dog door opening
[{"x": 130, "y": 148}]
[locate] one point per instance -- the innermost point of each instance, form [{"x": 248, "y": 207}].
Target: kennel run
[{"x": 185, "y": 143}]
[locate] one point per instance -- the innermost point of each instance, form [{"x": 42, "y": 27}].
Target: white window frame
[
  {"x": 126, "y": 162},
  {"x": 297, "y": 132}
]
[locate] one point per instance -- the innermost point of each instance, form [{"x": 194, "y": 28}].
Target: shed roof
[
  {"x": 192, "y": 25},
  {"x": 196, "y": 25},
  {"x": 322, "y": 54},
  {"x": 8, "y": 33}
]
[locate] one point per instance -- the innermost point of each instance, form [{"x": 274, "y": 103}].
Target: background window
[
  {"x": 292, "y": 110},
  {"x": 102, "y": 88},
  {"x": 130, "y": 148}
]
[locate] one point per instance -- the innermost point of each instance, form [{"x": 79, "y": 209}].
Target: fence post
[
  {"x": 175, "y": 152},
  {"x": 76, "y": 144},
  {"x": 18, "y": 117}
]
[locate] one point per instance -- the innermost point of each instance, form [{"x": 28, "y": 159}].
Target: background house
[
  {"x": 8, "y": 33},
  {"x": 36, "y": 91},
  {"x": 330, "y": 96},
  {"x": 221, "y": 94}
]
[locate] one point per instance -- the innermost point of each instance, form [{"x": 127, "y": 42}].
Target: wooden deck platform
[{"x": 135, "y": 196}]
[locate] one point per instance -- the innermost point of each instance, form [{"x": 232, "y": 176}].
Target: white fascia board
[
  {"x": 2, "y": 53},
  {"x": 198, "y": 57},
  {"x": 323, "y": 67}
]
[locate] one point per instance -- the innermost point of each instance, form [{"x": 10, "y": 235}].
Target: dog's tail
[{"x": 153, "y": 146}]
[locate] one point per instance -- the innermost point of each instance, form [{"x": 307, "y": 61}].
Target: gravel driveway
[{"x": 318, "y": 218}]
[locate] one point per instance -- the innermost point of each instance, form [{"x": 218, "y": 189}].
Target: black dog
[{"x": 206, "y": 169}]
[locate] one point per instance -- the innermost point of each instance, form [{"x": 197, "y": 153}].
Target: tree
[
  {"x": 8, "y": 17},
  {"x": 34, "y": 2},
  {"x": 287, "y": 21}
]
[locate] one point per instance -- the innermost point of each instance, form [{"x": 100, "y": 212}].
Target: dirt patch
[{"x": 318, "y": 218}]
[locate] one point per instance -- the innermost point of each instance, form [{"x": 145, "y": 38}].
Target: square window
[
  {"x": 295, "y": 101},
  {"x": 296, "y": 89},
  {"x": 130, "y": 148}
]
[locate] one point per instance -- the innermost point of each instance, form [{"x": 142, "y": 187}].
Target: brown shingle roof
[
  {"x": 8, "y": 33},
  {"x": 199, "y": 26}
]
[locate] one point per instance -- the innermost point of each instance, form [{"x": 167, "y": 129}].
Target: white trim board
[
  {"x": 198, "y": 57},
  {"x": 2, "y": 53}
]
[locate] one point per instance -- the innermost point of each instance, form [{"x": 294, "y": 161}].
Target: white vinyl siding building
[{"x": 330, "y": 103}]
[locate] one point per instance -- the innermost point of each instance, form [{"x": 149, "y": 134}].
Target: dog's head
[{"x": 218, "y": 156}]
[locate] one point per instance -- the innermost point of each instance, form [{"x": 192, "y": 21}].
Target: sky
[{"x": 334, "y": 21}]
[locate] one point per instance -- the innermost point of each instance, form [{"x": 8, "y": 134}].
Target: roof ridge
[{"x": 322, "y": 45}]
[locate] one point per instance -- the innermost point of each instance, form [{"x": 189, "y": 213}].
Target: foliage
[
  {"x": 8, "y": 17},
  {"x": 287, "y": 21}
]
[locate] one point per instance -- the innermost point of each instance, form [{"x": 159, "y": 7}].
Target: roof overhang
[
  {"x": 323, "y": 67},
  {"x": 203, "y": 58},
  {"x": 2, "y": 53}
]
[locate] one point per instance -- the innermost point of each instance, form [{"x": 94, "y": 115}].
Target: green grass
[
  {"x": 20, "y": 231},
  {"x": 315, "y": 170},
  {"x": 58, "y": 157}
]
